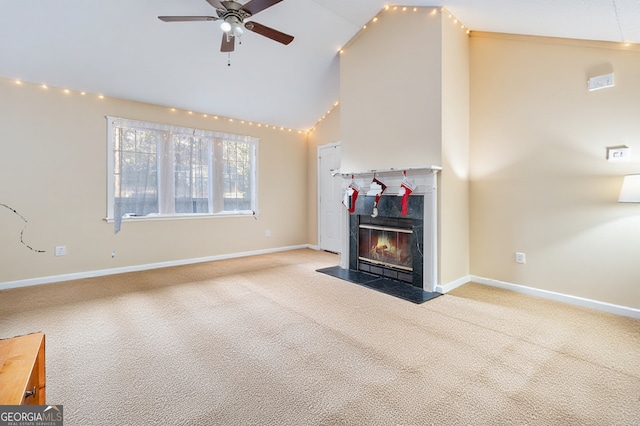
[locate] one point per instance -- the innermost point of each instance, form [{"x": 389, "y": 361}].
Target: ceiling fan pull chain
[{"x": 229, "y": 59}]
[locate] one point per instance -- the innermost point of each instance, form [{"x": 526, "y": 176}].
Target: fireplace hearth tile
[
  {"x": 350, "y": 275},
  {"x": 384, "y": 285}
]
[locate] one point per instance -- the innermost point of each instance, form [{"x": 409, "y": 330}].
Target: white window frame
[{"x": 114, "y": 122}]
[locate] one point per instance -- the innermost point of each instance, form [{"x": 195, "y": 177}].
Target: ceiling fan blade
[
  {"x": 216, "y": 4},
  {"x": 269, "y": 32},
  {"x": 228, "y": 43},
  {"x": 255, "y": 6},
  {"x": 187, "y": 18}
]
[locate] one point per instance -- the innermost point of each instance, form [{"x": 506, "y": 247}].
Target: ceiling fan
[{"x": 233, "y": 16}]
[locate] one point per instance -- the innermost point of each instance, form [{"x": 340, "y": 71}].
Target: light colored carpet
[{"x": 267, "y": 340}]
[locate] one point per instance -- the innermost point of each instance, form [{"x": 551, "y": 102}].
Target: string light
[
  {"x": 433, "y": 12},
  {"x": 215, "y": 117},
  {"x": 342, "y": 50}
]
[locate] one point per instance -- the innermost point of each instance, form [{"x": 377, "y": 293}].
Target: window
[{"x": 158, "y": 170}]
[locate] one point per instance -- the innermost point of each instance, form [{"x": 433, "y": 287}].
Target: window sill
[{"x": 163, "y": 217}]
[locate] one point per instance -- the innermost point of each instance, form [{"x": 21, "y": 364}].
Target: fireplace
[
  {"x": 399, "y": 242},
  {"x": 389, "y": 245}
]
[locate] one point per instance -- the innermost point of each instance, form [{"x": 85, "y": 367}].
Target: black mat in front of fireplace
[{"x": 391, "y": 287}]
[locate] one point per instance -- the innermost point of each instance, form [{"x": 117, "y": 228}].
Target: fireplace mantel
[
  {"x": 421, "y": 177},
  {"x": 424, "y": 182}
]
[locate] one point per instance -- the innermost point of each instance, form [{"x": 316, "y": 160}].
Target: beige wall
[
  {"x": 540, "y": 183},
  {"x": 390, "y": 93},
  {"x": 454, "y": 178},
  {"x": 53, "y": 171}
]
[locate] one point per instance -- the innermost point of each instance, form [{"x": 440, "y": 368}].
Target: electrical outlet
[
  {"x": 521, "y": 258},
  {"x": 601, "y": 82},
  {"x": 113, "y": 254},
  {"x": 61, "y": 250},
  {"x": 267, "y": 233}
]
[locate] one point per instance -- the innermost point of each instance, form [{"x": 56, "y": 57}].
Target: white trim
[
  {"x": 430, "y": 236},
  {"x": 184, "y": 216},
  {"x": 391, "y": 171},
  {"x": 559, "y": 297},
  {"x": 445, "y": 288},
  {"x": 110, "y": 168},
  {"x": 135, "y": 268}
]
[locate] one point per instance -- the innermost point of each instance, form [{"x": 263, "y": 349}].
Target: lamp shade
[{"x": 630, "y": 191}]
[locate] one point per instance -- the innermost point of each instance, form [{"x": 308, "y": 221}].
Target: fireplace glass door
[{"x": 385, "y": 246}]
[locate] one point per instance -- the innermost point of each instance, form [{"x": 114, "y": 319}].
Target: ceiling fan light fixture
[
  {"x": 225, "y": 26},
  {"x": 237, "y": 29}
]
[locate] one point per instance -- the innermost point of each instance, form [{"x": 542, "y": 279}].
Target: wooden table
[{"x": 22, "y": 370}]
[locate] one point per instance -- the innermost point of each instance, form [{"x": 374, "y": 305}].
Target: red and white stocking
[
  {"x": 406, "y": 188},
  {"x": 377, "y": 188},
  {"x": 350, "y": 197}
]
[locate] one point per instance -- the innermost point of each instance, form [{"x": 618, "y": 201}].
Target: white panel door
[{"x": 330, "y": 199}]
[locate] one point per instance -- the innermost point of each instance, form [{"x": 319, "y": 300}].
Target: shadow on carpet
[{"x": 384, "y": 285}]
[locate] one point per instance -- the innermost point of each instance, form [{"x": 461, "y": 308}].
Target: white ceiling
[{"x": 120, "y": 49}]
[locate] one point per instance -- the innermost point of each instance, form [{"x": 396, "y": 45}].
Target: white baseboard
[
  {"x": 445, "y": 288},
  {"x": 99, "y": 273},
  {"x": 559, "y": 297}
]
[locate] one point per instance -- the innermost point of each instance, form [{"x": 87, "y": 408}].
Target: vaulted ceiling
[{"x": 120, "y": 48}]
